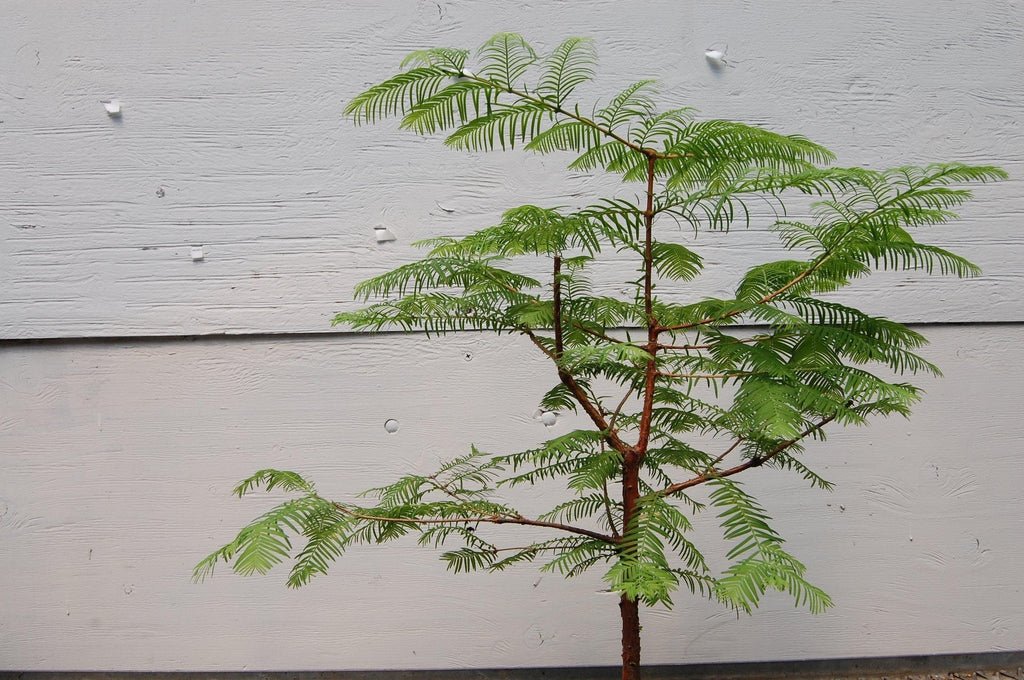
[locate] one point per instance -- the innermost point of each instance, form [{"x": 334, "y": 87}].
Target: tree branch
[
  {"x": 703, "y": 376},
  {"x": 557, "y": 302},
  {"x": 487, "y": 519},
  {"x": 601, "y": 336},
  {"x": 756, "y": 461},
  {"x": 725, "y": 453},
  {"x": 618, "y": 408},
  {"x": 709, "y": 345},
  {"x": 608, "y": 510},
  {"x": 607, "y": 132},
  {"x": 536, "y": 341},
  {"x": 551, "y": 107},
  {"x": 816, "y": 264},
  {"x": 589, "y": 407}
]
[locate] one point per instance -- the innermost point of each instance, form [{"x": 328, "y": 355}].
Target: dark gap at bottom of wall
[{"x": 979, "y": 666}]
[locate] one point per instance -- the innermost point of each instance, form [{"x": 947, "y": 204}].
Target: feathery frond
[
  {"x": 571, "y": 64},
  {"x": 505, "y": 59},
  {"x": 397, "y": 95}
]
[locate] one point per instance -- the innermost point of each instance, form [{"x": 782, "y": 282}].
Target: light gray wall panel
[
  {"x": 116, "y": 461},
  {"x": 232, "y": 139}
]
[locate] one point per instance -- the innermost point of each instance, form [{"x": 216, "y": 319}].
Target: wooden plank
[
  {"x": 232, "y": 139},
  {"x": 116, "y": 461}
]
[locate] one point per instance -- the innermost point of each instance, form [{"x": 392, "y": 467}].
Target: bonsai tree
[{"x": 656, "y": 379}]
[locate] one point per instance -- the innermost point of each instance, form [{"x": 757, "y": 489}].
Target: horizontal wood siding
[
  {"x": 232, "y": 139},
  {"x": 118, "y": 460}
]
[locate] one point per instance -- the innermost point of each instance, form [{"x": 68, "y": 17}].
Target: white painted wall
[
  {"x": 116, "y": 457},
  {"x": 119, "y": 458},
  {"x": 232, "y": 138}
]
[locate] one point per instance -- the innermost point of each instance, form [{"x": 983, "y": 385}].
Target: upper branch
[
  {"x": 596, "y": 413},
  {"x": 556, "y": 108},
  {"x": 560, "y": 110},
  {"x": 816, "y": 264},
  {"x": 753, "y": 462}
]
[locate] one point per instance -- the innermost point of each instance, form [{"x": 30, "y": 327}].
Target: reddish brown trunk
[
  {"x": 633, "y": 459},
  {"x": 630, "y": 611},
  {"x": 652, "y": 324}
]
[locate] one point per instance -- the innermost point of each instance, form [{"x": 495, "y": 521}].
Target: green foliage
[
  {"x": 505, "y": 58},
  {"x": 760, "y": 562},
  {"x": 399, "y": 93},
  {"x": 571, "y": 64},
  {"x": 635, "y": 475},
  {"x": 645, "y": 569}
]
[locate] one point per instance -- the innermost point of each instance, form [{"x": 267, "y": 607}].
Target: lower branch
[
  {"x": 710, "y": 345},
  {"x": 487, "y": 519},
  {"x": 704, "y": 376},
  {"x": 608, "y": 511},
  {"x": 725, "y": 453}
]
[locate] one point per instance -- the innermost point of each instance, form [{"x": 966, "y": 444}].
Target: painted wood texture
[
  {"x": 232, "y": 139},
  {"x": 117, "y": 459}
]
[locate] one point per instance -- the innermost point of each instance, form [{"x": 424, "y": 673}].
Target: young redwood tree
[{"x": 638, "y": 474}]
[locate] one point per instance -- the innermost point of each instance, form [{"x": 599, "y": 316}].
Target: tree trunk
[{"x": 630, "y": 610}]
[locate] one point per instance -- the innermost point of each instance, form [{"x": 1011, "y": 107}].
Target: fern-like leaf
[
  {"x": 505, "y": 58},
  {"x": 571, "y": 64}
]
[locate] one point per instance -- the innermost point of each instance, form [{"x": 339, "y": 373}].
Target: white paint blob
[
  {"x": 383, "y": 234},
  {"x": 715, "y": 57},
  {"x": 549, "y": 418},
  {"x": 391, "y": 426},
  {"x": 196, "y": 253},
  {"x": 113, "y": 107}
]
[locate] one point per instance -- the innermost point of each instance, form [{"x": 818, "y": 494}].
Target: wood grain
[
  {"x": 232, "y": 139},
  {"x": 117, "y": 460}
]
